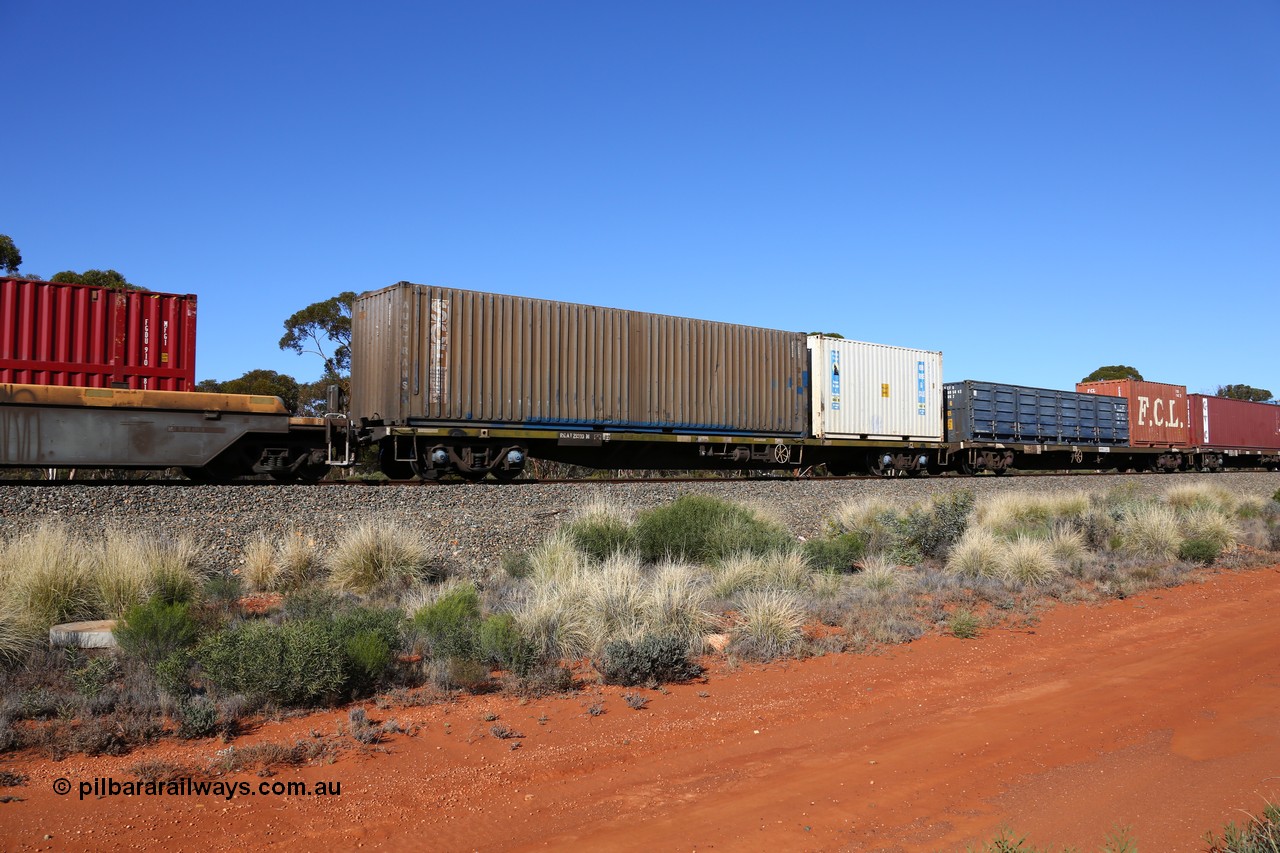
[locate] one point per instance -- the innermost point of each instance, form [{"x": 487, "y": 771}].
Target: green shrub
[
  {"x": 599, "y": 535},
  {"x": 94, "y": 675},
  {"x": 153, "y": 631},
  {"x": 964, "y": 624},
  {"x": 298, "y": 663},
  {"x": 197, "y": 717},
  {"x": 367, "y": 658},
  {"x": 1199, "y": 551},
  {"x": 221, "y": 591},
  {"x": 173, "y": 673},
  {"x": 451, "y": 624},
  {"x": 1258, "y": 835},
  {"x": 316, "y": 603},
  {"x": 648, "y": 659},
  {"x": 502, "y": 644},
  {"x": 936, "y": 525},
  {"x": 839, "y": 553},
  {"x": 698, "y": 528}
]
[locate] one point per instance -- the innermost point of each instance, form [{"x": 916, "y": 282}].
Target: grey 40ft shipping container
[{"x": 423, "y": 355}]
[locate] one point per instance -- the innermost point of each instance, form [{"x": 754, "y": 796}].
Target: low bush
[
  {"x": 154, "y": 631},
  {"x": 316, "y": 603},
  {"x": 964, "y": 624},
  {"x": 197, "y": 717},
  {"x": 1204, "y": 551},
  {"x": 1258, "y": 835},
  {"x": 648, "y": 659},
  {"x": 700, "y": 529},
  {"x": 838, "y": 553},
  {"x": 451, "y": 624},
  {"x": 298, "y": 663},
  {"x": 502, "y": 645},
  {"x": 934, "y": 527}
]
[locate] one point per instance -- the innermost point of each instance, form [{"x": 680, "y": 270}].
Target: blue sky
[{"x": 1034, "y": 188}]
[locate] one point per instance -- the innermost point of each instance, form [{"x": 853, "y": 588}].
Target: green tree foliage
[
  {"x": 1113, "y": 371},
  {"x": 322, "y": 325},
  {"x": 1244, "y": 392},
  {"x": 265, "y": 383},
  {"x": 97, "y": 278},
  {"x": 10, "y": 257}
]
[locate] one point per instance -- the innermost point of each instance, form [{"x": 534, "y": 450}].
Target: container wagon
[
  {"x": 448, "y": 380},
  {"x": 993, "y": 426},
  {"x": 55, "y": 333},
  {"x": 1157, "y": 418},
  {"x": 1233, "y": 433}
]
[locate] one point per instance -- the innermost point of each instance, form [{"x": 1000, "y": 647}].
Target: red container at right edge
[{"x": 1157, "y": 411}]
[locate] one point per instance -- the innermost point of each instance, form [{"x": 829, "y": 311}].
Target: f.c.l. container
[
  {"x": 424, "y": 355},
  {"x": 1157, "y": 411},
  {"x": 1220, "y": 422},
  {"x": 875, "y": 391},
  {"x": 989, "y": 411},
  {"x": 57, "y": 333}
]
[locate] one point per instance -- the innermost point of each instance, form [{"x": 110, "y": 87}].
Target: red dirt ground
[{"x": 1160, "y": 712}]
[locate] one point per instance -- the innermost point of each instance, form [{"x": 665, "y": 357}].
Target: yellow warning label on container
[{"x": 884, "y": 390}]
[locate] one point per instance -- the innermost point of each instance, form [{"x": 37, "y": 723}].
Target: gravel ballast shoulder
[{"x": 472, "y": 525}]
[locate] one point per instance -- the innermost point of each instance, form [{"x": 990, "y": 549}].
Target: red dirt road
[{"x": 1161, "y": 712}]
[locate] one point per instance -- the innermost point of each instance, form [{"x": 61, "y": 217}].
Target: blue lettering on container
[
  {"x": 920, "y": 387},
  {"x": 835, "y": 379}
]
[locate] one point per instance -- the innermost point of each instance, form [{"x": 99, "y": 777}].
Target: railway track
[{"x": 597, "y": 481}]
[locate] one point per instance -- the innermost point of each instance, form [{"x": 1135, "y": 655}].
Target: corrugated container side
[
  {"x": 864, "y": 390},
  {"x": 1157, "y": 410},
  {"x": 989, "y": 411},
  {"x": 442, "y": 354},
  {"x": 56, "y": 333},
  {"x": 1233, "y": 424}
]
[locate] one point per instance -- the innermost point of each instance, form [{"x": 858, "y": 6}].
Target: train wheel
[
  {"x": 506, "y": 475},
  {"x": 877, "y": 467}
]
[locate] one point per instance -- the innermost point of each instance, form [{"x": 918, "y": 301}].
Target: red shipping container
[
  {"x": 1233, "y": 424},
  {"x": 54, "y": 333},
  {"x": 1157, "y": 411}
]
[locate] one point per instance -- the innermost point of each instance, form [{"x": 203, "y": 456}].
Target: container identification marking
[
  {"x": 835, "y": 379},
  {"x": 920, "y": 395},
  {"x": 438, "y": 370}
]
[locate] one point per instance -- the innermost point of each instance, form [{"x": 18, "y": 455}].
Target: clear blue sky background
[{"x": 1034, "y": 188}]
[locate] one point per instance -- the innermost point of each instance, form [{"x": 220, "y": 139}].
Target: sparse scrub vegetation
[{"x": 638, "y": 594}]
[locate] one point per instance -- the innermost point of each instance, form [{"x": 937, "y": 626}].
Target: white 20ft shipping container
[{"x": 875, "y": 391}]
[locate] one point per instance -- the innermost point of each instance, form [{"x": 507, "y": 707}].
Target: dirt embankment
[{"x": 1161, "y": 712}]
